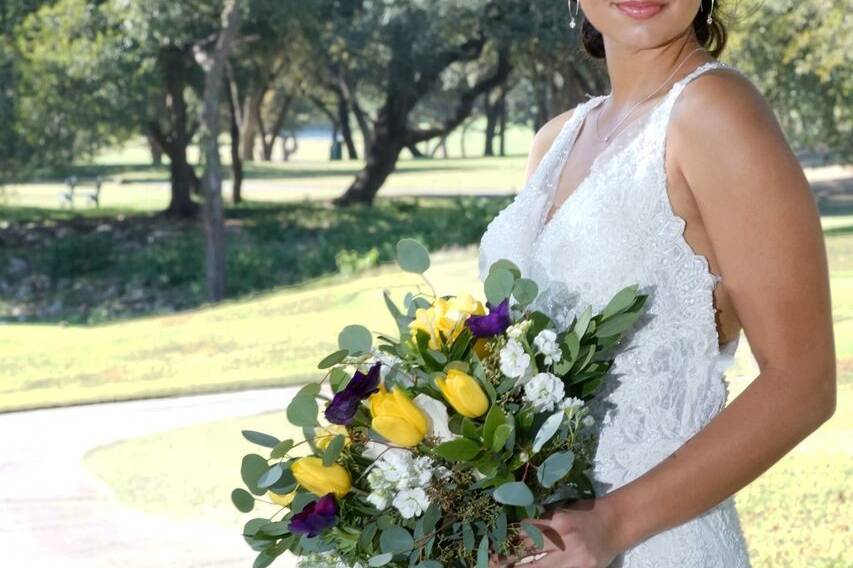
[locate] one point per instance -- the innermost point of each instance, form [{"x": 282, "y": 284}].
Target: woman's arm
[{"x": 765, "y": 230}]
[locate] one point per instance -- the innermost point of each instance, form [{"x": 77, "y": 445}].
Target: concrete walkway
[{"x": 55, "y": 513}]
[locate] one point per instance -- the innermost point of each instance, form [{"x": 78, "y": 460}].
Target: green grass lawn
[{"x": 269, "y": 340}]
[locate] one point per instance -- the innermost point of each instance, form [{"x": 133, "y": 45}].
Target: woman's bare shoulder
[
  {"x": 722, "y": 118},
  {"x": 544, "y": 139},
  {"x": 723, "y": 106}
]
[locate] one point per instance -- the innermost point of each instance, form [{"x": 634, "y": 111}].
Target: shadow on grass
[{"x": 103, "y": 265}]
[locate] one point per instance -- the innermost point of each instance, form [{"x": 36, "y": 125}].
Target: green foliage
[
  {"x": 514, "y": 493},
  {"x": 145, "y": 264},
  {"x": 799, "y": 53}
]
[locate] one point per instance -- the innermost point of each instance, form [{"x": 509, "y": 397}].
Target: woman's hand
[{"x": 584, "y": 534}]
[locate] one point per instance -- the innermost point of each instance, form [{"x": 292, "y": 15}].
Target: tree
[
  {"x": 93, "y": 73},
  {"x": 411, "y": 46},
  {"x": 800, "y": 55},
  {"x": 213, "y": 218}
]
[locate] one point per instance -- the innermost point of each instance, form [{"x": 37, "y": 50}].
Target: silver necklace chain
[{"x": 609, "y": 136}]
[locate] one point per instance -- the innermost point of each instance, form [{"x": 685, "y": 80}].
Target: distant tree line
[{"x": 77, "y": 76}]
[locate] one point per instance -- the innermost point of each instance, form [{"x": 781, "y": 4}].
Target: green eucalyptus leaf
[
  {"x": 333, "y": 450},
  {"x": 302, "y": 410},
  {"x": 504, "y": 264},
  {"x": 270, "y": 477},
  {"x": 251, "y": 470},
  {"x": 338, "y": 379},
  {"x": 483, "y": 553},
  {"x": 555, "y": 468},
  {"x": 355, "y": 339},
  {"x": 468, "y": 537},
  {"x": 515, "y": 493},
  {"x": 243, "y": 500},
  {"x": 380, "y": 559},
  {"x": 281, "y": 449},
  {"x": 525, "y": 291},
  {"x": 333, "y": 359},
  {"x": 412, "y": 256},
  {"x": 547, "y": 430},
  {"x": 396, "y": 539},
  {"x": 498, "y": 285},
  {"x": 260, "y": 438}
]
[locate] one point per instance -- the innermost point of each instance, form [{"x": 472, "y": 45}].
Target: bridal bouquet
[{"x": 433, "y": 448}]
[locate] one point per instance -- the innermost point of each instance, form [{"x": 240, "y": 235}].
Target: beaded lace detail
[{"x": 667, "y": 382}]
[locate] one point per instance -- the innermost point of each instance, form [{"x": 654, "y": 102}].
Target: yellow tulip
[
  {"x": 444, "y": 320},
  {"x": 319, "y": 479},
  {"x": 468, "y": 305},
  {"x": 325, "y": 435},
  {"x": 283, "y": 500},
  {"x": 396, "y": 418},
  {"x": 464, "y": 393}
]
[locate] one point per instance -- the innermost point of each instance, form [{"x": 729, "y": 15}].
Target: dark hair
[{"x": 712, "y": 36}]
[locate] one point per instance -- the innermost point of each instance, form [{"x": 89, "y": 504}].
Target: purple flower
[
  {"x": 315, "y": 517},
  {"x": 493, "y": 323},
  {"x": 344, "y": 405}
]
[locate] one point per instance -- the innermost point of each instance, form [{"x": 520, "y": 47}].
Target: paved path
[{"x": 55, "y": 513}]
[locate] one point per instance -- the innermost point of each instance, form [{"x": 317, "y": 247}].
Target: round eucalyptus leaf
[
  {"x": 355, "y": 339},
  {"x": 302, "y": 410},
  {"x": 270, "y": 477},
  {"x": 514, "y": 493},
  {"x": 525, "y": 291},
  {"x": 498, "y": 285},
  {"x": 395, "y": 539},
  {"x": 412, "y": 256},
  {"x": 505, "y": 264},
  {"x": 251, "y": 470},
  {"x": 555, "y": 468},
  {"x": 243, "y": 500}
]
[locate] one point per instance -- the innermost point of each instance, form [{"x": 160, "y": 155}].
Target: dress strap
[{"x": 679, "y": 85}]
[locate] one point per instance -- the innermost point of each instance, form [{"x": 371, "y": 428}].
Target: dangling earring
[
  {"x": 710, "y": 18},
  {"x": 577, "y": 9}
]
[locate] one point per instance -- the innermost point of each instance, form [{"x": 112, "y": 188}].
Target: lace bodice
[{"x": 618, "y": 228}]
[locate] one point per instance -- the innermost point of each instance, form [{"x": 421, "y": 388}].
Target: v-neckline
[
  {"x": 603, "y": 157},
  {"x": 559, "y": 169}
]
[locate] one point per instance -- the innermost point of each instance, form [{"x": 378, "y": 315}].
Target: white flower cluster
[
  {"x": 546, "y": 344},
  {"x": 516, "y": 330},
  {"x": 514, "y": 360},
  {"x": 398, "y": 478},
  {"x": 544, "y": 392},
  {"x": 388, "y": 361}
]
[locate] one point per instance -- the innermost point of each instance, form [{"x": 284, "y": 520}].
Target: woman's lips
[{"x": 639, "y": 10}]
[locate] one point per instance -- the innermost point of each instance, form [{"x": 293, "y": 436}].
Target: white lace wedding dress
[{"x": 618, "y": 228}]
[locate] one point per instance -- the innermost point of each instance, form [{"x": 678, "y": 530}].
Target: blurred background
[{"x": 195, "y": 196}]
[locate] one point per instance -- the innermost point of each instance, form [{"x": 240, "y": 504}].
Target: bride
[{"x": 680, "y": 180}]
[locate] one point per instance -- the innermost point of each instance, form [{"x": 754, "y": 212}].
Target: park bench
[{"x": 93, "y": 196}]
